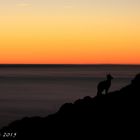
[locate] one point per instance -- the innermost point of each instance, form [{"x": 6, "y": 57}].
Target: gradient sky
[{"x": 70, "y": 31}]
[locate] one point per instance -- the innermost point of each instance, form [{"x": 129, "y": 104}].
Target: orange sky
[{"x": 78, "y": 32}]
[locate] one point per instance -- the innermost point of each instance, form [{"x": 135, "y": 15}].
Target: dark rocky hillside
[{"x": 115, "y": 115}]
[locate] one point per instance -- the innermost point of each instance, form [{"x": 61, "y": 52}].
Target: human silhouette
[{"x": 104, "y": 85}]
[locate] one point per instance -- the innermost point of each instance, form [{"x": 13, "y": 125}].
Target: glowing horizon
[{"x": 69, "y": 32}]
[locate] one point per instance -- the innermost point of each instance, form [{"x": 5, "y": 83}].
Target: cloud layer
[{"x": 24, "y": 5}]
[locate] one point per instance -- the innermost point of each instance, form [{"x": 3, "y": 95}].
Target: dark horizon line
[{"x": 100, "y": 64}]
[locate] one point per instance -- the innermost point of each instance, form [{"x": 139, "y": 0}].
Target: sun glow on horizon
[{"x": 69, "y": 32}]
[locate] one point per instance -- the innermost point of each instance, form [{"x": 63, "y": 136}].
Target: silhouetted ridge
[{"x": 109, "y": 115}]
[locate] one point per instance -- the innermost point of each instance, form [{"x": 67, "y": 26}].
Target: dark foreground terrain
[{"x": 115, "y": 115}]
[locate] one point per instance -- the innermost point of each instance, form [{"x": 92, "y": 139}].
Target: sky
[{"x": 69, "y": 32}]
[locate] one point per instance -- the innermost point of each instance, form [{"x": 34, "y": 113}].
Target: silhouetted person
[{"x": 104, "y": 85}]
